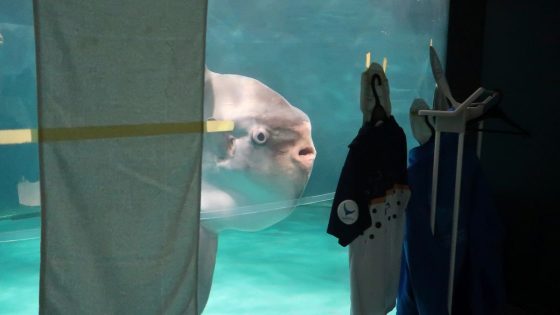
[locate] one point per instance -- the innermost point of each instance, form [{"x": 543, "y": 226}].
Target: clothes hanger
[
  {"x": 452, "y": 119},
  {"x": 494, "y": 111},
  {"x": 378, "y": 113},
  {"x": 423, "y": 126},
  {"x": 375, "y": 102},
  {"x": 422, "y": 129}
]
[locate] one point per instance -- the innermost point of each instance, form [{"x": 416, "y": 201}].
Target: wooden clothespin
[
  {"x": 385, "y": 64},
  {"x": 368, "y": 61}
]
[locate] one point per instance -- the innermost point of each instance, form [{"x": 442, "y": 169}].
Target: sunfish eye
[{"x": 260, "y": 136}]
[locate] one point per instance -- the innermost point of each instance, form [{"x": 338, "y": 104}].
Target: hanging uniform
[
  {"x": 478, "y": 285},
  {"x": 368, "y": 214}
]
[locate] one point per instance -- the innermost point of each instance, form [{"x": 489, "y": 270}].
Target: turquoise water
[
  {"x": 289, "y": 268},
  {"x": 19, "y": 261},
  {"x": 19, "y": 282},
  {"x": 312, "y": 52}
]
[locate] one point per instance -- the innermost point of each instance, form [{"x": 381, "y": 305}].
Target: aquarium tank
[{"x": 287, "y": 74}]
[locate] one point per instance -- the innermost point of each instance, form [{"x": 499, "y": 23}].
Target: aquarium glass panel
[
  {"x": 287, "y": 74},
  {"x": 19, "y": 163}
]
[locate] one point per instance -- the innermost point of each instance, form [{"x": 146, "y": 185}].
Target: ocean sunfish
[{"x": 267, "y": 159}]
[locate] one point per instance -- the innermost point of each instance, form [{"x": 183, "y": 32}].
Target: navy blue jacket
[
  {"x": 376, "y": 162},
  {"x": 479, "y": 286}
]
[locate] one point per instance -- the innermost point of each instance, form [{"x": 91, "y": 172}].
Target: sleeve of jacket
[{"x": 349, "y": 215}]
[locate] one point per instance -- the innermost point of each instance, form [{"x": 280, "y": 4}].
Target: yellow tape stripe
[
  {"x": 21, "y": 136},
  {"x": 18, "y": 136},
  {"x": 219, "y": 126}
]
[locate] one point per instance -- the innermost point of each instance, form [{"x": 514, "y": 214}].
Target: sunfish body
[{"x": 266, "y": 160}]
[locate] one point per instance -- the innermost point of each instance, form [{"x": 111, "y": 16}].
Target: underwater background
[
  {"x": 18, "y": 97},
  {"x": 313, "y": 53}
]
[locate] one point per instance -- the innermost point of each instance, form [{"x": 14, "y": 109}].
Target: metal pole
[
  {"x": 458, "y": 173},
  {"x": 435, "y": 181},
  {"x": 479, "y": 140}
]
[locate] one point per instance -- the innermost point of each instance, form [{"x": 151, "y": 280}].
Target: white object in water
[
  {"x": 29, "y": 193},
  {"x": 1, "y": 39}
]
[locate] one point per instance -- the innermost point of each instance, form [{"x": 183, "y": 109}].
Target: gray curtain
[{"x": 120, "y": 104}]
